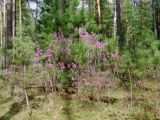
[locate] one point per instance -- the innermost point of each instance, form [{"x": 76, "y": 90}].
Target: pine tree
[{"x": 119, "y": 26}]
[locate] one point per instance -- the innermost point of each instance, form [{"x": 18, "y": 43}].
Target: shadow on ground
[
  {"x": 2, "y": 101},
  {"x": 67, "y": 110},
  {"x": 14, "y": 109}
]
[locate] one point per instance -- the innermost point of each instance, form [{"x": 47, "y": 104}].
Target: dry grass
[{"x": 54, "y": 107}]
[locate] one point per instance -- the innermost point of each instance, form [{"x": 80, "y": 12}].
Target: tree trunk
[
  {"x": 4, "y": 33},
  {"x": 15, "y": 16},
  {"x": 99, "y": 11},
  {"x": 20, "y": 19},
  {"x": 9, "y": 21},
  {"x": 119, "y": 28},
  {"x": 1, "y": 37},
  {"x": 154, "y": 28},
  {"x": 14, "y": 26},
  {"x": 115, "y": 22},
  {"x": 157, "y": 17},
  {"x": 1, "y": 29}
]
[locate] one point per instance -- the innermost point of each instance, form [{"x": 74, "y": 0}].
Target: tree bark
[
  {"x": 1, "y": 37},
  {"x": 154, "y": 28},
  {"x": 115, "y": 22},
  {"x": 20, "y": 19},
  {"x": 4, "y": 33},
  {"x": 157, "y": 17},
  {"x": 118, "y": 20},
  {"x": 1, "y": 28},
  {"x": 99, "y": 11},
  {"x": 9, "y": 21}
]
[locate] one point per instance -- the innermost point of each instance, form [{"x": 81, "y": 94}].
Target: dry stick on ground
[
  {"x": 51, "y": 82},
  {"x": 78, "y": 85},
  {"x": 20, "y": 85},
  {"x": 24, "y": 88},
  {"x": 131, "y": 87},
  {"x": 156, "y": 89},
  {"x": 26, "y": 97},
  {"x": 145, "y": 80},
  {"x": 54, "y": 78}
]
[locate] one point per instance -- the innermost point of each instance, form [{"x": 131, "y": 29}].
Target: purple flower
[
  {"x": 49, "y": 65},
  {"x": 49, "y": 54},
  {"x": 98, "y": 44},
  {"x": 62, "y": 65},
  {"x": 74, "y": 66},
  {"x": 82, "y": 33},
  {"x": 38, "y": 51},
  {"x": 86, "y": 37},
  {"x": 90, "y": 39},
  {"x": 114, "y": 54},
  {"x": 59, "y": 36}
]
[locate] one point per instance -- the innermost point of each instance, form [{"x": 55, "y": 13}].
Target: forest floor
[{"x": 144, "y": 105}]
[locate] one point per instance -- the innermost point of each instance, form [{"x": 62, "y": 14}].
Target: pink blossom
[
  {"x": 114, "y": 54},
  {"x": 74, "y": 66},
  {"x": 38, "y": 51},
  {"x": 90, "y": 39},
  {"x": 49, "y": 54},
  {"x": 86, "y": 37},
  {"x": 59, "y": 36},
  {"x": 62, "y": 65},
  {"x": 49, "y": 65},
  {"x": 98, "y": 44}
]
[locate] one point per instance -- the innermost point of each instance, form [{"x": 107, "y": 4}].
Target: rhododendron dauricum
[
  {"x": 58, "y": 36},
  {"x": 99, "y": 44},
  {"x": 74, "y": 66},
  {"x": 49, "y": 55},
  {"x": 62, "y": 65},
  {"x": 90, "y": 39},
  {"x": 49, "y": 65},
  {"x": 38, "y": 51},
  {"x": 114, "y": 54}
]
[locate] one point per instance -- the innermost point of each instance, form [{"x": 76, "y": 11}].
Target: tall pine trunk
[
  {"x": 157, "y": 17},
  {"x": 119, "y": 28},
  {"x": 115, "y": 21},
  {"x": 1, "y": 36},
  {"x": 20, "y": 19},
  {"x": 99, "y": 11},
  {"x": 9, "y": 21},
  {"x": 4, "y": 33},
  {"x": 154, "y": 17}
]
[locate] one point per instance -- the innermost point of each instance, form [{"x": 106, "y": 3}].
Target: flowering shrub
[
  {"x": 61, "y": 65},
  {"x": 59, "y": 36},
  {"x": 38, "y": 51},
  {"x": 90, "y": 39},
  {"x": 99, "y": 44}
]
